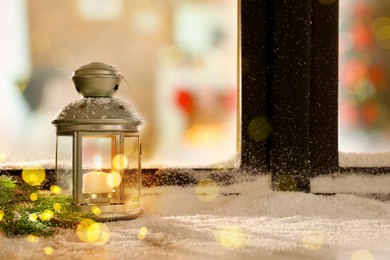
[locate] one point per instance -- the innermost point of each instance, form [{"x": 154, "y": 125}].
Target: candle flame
[{"x": 98, "y": 161}]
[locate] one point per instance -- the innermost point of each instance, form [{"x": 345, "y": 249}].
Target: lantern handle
[{"x": 127, "y": 84}]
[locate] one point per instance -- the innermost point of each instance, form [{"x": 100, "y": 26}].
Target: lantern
[{"x": 98, "y": 150}]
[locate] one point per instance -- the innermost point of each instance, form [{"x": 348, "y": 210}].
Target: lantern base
[{"x": 112, "y": 212}]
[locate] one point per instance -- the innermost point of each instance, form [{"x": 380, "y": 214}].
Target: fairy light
[
  {"x": 57, "y": 206},
  {"x": 113, "y": 179},
  {"x": 55, "y": 189},
  {"x": 313, "y": 240},
  {"x": 259, "y": 128},
  {"x": 93, "y": 232},
  {"x": 120, "y": 161},
  {"x": 142, "y": 232},
  {"x": 48, "y": 250},
  {"x": 96, "y": 210},
  {"x": 206, "y": 189},
  {"x": 362, "y": 254},
  {"x": 33, "y": 217},
  {"x": 62, "y": 59},
  {"x": 32, "y": 239},
  {"x": 231, "y": 237},
  {"x": 34, "y": 176},
  {"x": 3, "y": 157},
  {"x": 170, "y": 56},
  {"x": 33, "y": 196},
  {"x": 326, "y": 2},
  {"x": 40, "y": 41},
  {"x": 46, "y": 215}
]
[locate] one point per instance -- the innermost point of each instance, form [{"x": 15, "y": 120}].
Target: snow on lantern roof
[{"x": 103, "y": 110}]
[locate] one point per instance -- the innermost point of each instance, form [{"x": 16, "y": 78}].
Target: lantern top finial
[{"x": 97, "y": 79}]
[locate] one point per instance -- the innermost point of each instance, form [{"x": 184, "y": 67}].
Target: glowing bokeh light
[
  {"x": 204, "y": 135},
  {"x": 142, "y": 233},
  {"x": 383, "y": 33},
  {"x": 113, "y": 179},
  {"x": 206, "y": 189},
  {"x": 32, "y": 239},
  {"x": 62, "y": 59},
  {"x": 55, "y": 189},
  {"x": 327, "y": 2},
  {"x": 285, "y": 182},
  {"x": 46, "y": 215},
  {"x": 382, "y": 36},
  {"x": 3, "y": 157},
  {"x": 57, "y": 206},
  {"x": 96, "y": 210},
  {"x": 48, "y": 250},
  {"x": 380, "y": 27},
  {"x": 362, "y": 254},
  {"x": 40, "y": 41},
  {"x": 1, "y": 214},
  {"x": 34, "y": 176},
  {"x": 120, "y": 161},
  {"x": 170, "y": 56},
  {"x": 313, "y": 240},
  {"x": 379, "y": 22},
  {"x": 231, "y": 237},
  {"x": 259, "y": 128},
  {"x": 33, "y": 196},
  {"x": 33, "y": 217},
  {"x": 93, "y": 232}
]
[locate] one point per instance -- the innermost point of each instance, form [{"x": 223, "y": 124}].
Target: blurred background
[
  {"x": 179, "y": 57},
  {"x": 364, "y": 76}
]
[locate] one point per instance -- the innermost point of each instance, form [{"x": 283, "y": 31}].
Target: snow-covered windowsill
[{"x": 245, "y": 219}]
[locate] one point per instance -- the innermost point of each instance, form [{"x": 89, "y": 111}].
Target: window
[
  {"x": 180, "y": 58},
  {"x": 289, "y": 93}
]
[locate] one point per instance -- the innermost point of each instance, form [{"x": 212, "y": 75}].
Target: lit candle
[{"x": 95, "y": 182}]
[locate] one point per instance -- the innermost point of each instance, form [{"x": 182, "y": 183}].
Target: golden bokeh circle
[
  {"x": 55, "y": 189},
  {"x": 207, "y": 189},
  {"x": 142, "y": 232},
  {"x": 93, "y": 232},
  {"x": 327, "y": 2},
  {"x": 259, "y": 128},
  {"x": 32, "y": 239},
  {"x": 362, "y": 254},
  {"x": 96, "y": 210},
  {"x": 48, "y": 250},
  {"x": 33, "y": 217},
  {"x": 231, "y": 237},
  {"x": 113, "y": 179},
  {"x": 313, "y": 240},
  {"x": 34, "y": 176},
  {"x": 57, "y": 206},
  {"x": 120, "y": 161}
]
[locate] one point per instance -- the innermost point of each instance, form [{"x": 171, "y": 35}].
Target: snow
[
  {"x": 97, "y": 108},
  {"x": 378, "y": 159},
  {"x": 245, "y": 220}
]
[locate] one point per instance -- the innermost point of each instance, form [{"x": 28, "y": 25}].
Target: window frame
[
  {"x": 288, "y": 70},
  {"x": 294, "y": 80}
]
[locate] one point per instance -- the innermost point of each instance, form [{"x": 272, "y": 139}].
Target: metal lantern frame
[{"x": 99, "y": 116}]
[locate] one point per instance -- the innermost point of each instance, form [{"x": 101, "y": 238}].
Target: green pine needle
[{"x": 40, "y": 217}]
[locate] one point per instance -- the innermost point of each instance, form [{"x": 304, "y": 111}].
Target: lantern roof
[
  {"x": 98, "y": 110},
  {"x": 97, "y": 79}
]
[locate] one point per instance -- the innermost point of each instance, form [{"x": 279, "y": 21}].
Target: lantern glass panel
[
  {"x": 64, "y": 163},
  {"x": 132, "y": 171},
  {"x": 101, "y": 182},
  {"x": 96, "y": 153}
]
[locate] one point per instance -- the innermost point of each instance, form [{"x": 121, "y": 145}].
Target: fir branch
[
  {"x": 23, "y": 216},
  {"x": 7, "y": 188}
]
